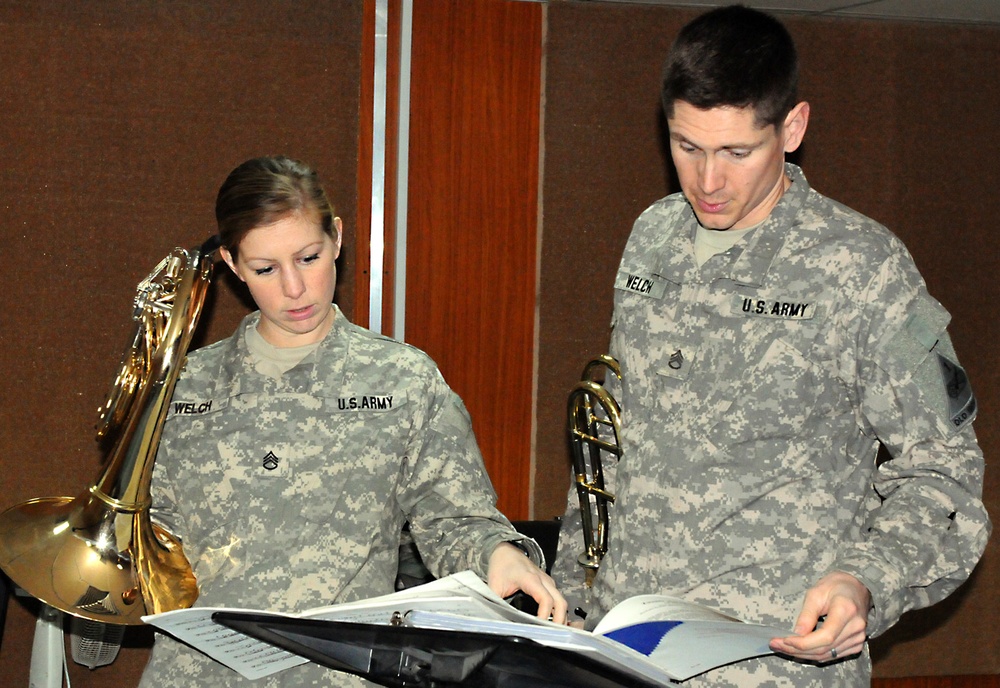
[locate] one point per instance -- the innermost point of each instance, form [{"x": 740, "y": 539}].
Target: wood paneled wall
[
  {"x": 119, "y": 122},
  {"x": 472, "y": 216}
]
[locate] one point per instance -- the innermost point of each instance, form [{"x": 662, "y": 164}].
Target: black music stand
[{"x": 407, "y": 656}]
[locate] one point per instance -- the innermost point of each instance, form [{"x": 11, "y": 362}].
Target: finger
[
  {"x": 836, "y": 655},
  {"x": 837, "y": 629},
  {"x": 551, "y": 604},
  {"x": 816, "y": 643},
  {"x": 810, "y": 616},
  {"x": 844, "y": 645},
  {"x": 811, "y": 646},
  {"x": 560, "y": 607}
]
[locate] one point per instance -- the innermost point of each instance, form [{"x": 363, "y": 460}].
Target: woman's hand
[{"x": 510, "y": 570}]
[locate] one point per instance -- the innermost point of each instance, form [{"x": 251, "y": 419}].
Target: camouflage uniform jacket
[
  {"x": 291, "y": 493},
  {"x": 755, "y": 392}
]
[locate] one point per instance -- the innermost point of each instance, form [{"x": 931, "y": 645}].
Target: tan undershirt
[
  {"x": 709, "y": 242},
  {"x": 274, "y": 361}
]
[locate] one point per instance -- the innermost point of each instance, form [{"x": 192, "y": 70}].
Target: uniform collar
[
  {"x": 752, "y": 264},
  {"x": 239, "y": 375}
]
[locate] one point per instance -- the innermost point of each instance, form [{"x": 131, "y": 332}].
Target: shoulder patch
[{"x": 961, "y": 401}]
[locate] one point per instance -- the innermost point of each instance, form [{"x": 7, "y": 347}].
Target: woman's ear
[
  {"x": 338, "y": 225},
  {"x": 230, "y": 261}
]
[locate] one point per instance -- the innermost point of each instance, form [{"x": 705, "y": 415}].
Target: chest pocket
[
  {"x": 270, "y": 460},
  {"x": 348, "y": 458},
  {"x": 779, "y": 386}
]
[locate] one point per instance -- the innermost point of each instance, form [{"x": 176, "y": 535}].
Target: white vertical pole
[
  {"x": 403, "y": 159},
  {"x": 48, "y": 649},
  {"x": 377, "y": 239}
]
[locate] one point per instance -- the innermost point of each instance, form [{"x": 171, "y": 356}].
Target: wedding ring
[{"x": 833, "y": 653}]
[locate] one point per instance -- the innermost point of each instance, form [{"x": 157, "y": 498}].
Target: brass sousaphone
[
  {"x": 594, "y": 430},
  {"x": 99, "y": 556}
]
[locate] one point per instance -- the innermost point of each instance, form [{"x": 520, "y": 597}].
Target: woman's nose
[{"x": 292, "y": 284}]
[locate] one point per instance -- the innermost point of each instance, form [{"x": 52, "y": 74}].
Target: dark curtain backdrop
[
  {"x": 118, "y": 122},
  {"x": 903, "y": 129}
]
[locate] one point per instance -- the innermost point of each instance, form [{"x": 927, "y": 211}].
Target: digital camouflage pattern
[
  {"x": 755, "y": 391},
  {"x": 291, "y": 493}
]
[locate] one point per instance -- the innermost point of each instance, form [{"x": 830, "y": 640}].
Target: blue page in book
[
  {"x": 643, "y": 637},
  {"x": 684, "y": 637}
]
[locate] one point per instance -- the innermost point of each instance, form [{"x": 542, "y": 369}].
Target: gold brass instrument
[
  {"x": 593, "y": 409},
  {"x": 99, "y": 556}
]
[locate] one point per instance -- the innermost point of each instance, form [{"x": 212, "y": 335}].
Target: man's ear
[
  {"x": 228, "y": 257},
  {"x": 794, "y": 129}
]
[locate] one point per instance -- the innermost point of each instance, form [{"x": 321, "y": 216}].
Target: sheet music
[
  {"x": 462, "y": 594},
  {"x": 250, "y": 657}
]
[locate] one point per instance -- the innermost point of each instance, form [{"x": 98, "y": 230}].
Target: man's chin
[{"x": 715, "y": 223}]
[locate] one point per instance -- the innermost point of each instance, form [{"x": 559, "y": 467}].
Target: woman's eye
[
  {"x": 264, "y": 271},
  {"x": 309, "y": 259}
]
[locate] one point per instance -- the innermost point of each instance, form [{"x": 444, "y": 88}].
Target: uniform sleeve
[
  {"x": 164, "y": 510},
  {"x": 926, "y": 524},
  {"x": 447, "y": 494}
]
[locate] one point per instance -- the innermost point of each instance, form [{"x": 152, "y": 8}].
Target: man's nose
[{"x": 710, "y": 175}]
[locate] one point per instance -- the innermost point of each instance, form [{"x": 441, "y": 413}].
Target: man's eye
[{"x": 739, "y": 153}]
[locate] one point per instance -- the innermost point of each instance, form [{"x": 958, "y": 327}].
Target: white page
[
  {"x": 685, "y": 638},
  {"x": 695, "y": 647},
  {"x": 462, "y": 593},
  {"x": 657, "y": 608},
  {"x": 250, "y": 657}
]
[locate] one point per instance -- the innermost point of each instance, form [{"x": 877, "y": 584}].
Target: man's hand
[
  {"x": 842, "y": 602},
  {"x": 510, "y": 571}
]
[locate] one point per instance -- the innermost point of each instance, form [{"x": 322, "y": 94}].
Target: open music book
[{"x": 652, "y": 637}]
